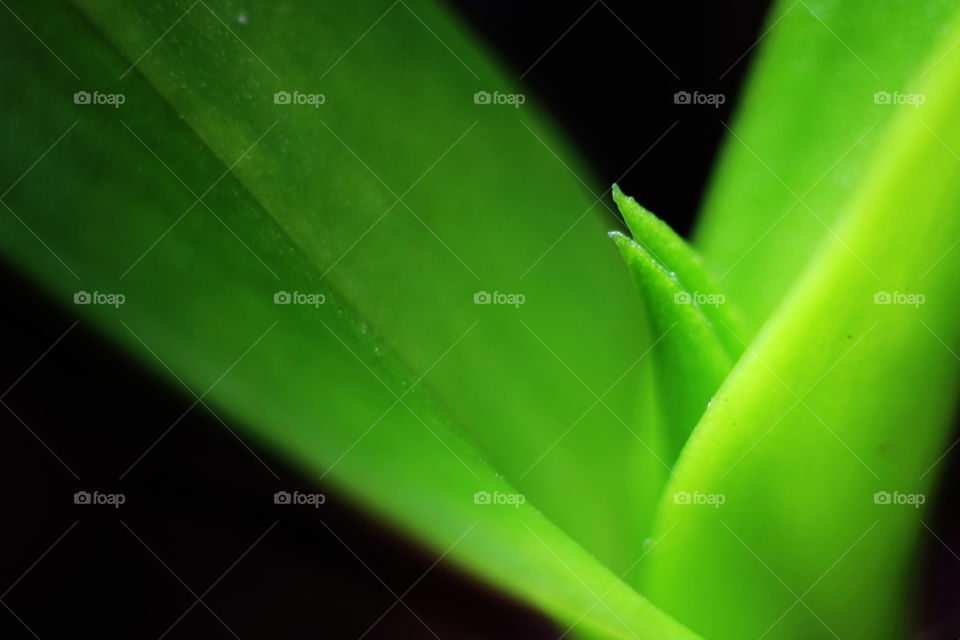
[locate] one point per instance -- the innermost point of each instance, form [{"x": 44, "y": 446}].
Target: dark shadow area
[
  {"x": 937, "y": 568},
  {"x": 608, "y": 72},
  {"x": 198, "y": 518}
]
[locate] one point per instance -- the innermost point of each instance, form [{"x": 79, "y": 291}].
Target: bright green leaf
[
  {"x": 794, "y": 509},
  {"x": 805, "y": 133}
]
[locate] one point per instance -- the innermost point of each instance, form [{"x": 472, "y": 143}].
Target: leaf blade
[
  {"x": 201, "y": 302},
  {"x": 821, "y": 414}
]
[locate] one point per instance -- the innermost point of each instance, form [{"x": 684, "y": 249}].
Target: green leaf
[
  {"x": 678, "y": 259},
  {"x": 693, "y": 349},
  {"x": 805, "y": 133},
  {"x": 200, "y": 199},
  {"x": 845, "y": 397},
  {"x": 409, "y": 243}
]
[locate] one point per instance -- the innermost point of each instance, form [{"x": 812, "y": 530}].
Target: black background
[
  {"x": 201, "y": 499},
  {"x": 610, "y": 80}
]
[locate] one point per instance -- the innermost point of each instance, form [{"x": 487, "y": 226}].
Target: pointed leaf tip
[{"x": 655, "y": 238}]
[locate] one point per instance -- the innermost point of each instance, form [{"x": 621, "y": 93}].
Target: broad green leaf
[
  {"x": 411, "y": 199},
  {"x": 804, "y": 134},
  {"x": 794, "y": 509},
  {"x": 199, "y": 199}
]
